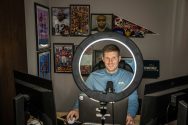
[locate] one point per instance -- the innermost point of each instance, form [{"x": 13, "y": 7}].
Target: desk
[
  {"x": 60, "y": 120},
  {"x": 137, "y": 120},
  {"x": 60, "y": 114}
]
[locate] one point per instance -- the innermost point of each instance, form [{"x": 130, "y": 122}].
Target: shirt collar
[{"x": 114, "y": 73}]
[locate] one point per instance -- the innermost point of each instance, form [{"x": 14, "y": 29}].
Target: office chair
[{"x": 122, "y": 64}]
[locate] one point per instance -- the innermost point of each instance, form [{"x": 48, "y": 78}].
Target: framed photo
[
  {"x": 101, "y": 22},
  {"x": 42, "y": 26},
  {"x": 60, "y": 21},
  {"x": 44, "y": 64},
  {"x": 79, "y": 25},
  {"x": 63, "y": 55},
  {"x": 151, "y": 69},
  {"x": 86, "y": 62},
  {"x": 97, "y": 56}
]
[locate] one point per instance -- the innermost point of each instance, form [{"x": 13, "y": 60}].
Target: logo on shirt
[{"x": 121, "y": 83}]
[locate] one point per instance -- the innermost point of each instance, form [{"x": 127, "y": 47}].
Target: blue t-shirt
[{"x": 97, "y": 81}]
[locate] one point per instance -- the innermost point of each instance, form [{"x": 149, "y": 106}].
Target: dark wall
[{"x": 12, "y": 54}]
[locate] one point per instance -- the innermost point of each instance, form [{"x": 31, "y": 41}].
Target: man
[
  {"x": 121, "y": 78},
  {"x": 101, "y": 24}
]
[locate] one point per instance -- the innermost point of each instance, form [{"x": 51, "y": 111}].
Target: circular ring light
[{"x": 125, "y": 42}]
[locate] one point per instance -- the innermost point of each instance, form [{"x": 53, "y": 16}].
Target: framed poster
[
  {"x": 97, "y": 56},
  {"x": 60, "y": 21},
  {"x": 86, "y": 62},
  {"x": 63, "y": 55},
  {"x": 42, "y": 26},
  {"x": 44, "y": 64},
  {"x": 151, "y": 69},
  {"x": 79, "y": 24},
  {"x": 101, "y": 22}
]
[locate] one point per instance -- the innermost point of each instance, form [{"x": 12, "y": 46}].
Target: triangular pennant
[{"x": 128, "y": 28}]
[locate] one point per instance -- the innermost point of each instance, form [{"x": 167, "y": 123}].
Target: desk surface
[
  {"x": 60, "y": 114},
  {"x": 137, "y": 120}
]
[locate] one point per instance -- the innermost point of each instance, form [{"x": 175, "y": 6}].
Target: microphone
[{"x": 109, "y": 87}]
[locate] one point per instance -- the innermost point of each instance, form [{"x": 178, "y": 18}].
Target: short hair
[
  {"x": 111, "y": 48},
  {"x": 101, "y": 16}
]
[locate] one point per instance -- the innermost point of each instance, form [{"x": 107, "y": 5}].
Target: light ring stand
[{"x": 128, "y": 44}]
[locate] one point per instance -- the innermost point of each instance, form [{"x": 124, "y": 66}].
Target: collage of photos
[{"x": 75, "y": 20}]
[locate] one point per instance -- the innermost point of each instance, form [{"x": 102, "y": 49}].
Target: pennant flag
[{"x": 129, "y": 29}]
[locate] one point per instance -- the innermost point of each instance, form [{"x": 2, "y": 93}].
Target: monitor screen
[
  {"x": 157, "y": 108},
  {"x": 38, "y": 99},
  {"x": 115, "y": 113}
]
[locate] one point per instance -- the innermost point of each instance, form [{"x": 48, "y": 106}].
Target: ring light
[{"x": 125, "y": 42}]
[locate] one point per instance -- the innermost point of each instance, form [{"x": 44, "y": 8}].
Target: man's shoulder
[{"x": 125, "y": 71}]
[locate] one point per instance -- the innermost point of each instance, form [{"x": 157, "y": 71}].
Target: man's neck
[
  {"x": 101, "y": 29},
  {"x": 112, "y": 72}
]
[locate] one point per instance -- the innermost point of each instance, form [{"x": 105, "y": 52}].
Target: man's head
[
  {"x": 111, "y": 57},
  {"x": 61, "y": 16},
  {"x": 101, "y": 21}
]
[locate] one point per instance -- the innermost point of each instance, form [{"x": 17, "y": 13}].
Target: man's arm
[
  {"x": 133, "y": 104},
  {"x": 132, "y": 108},
  {"x": 74, "y": 112}
]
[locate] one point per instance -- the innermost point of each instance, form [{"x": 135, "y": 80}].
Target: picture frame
[
  {"x": 79, "y": 21},
  {"x": 44, "y": 64},
  {"x": 101, "y": 22},
  {"x": 151, "y": 69},
  {"x": 86, "y": 62},
  {"x": 97, "y": 56},
  {"x": 75, "y": 47},
  {"x": 60, "y": 21},
  {"x": 42, "y": 26},
  {"x": 63, "y": 55}
]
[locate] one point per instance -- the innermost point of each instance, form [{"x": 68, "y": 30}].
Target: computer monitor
[
  {"x": 182, "y": 118},
  {"x": 33, "y": 98},
  {"x": 20, "y": 115},
  {"x": 116, "y": 112},
  {"x": 156, "y": 107}
]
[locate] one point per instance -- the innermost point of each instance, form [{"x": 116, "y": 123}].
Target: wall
[{"x": 166, "y": 18}]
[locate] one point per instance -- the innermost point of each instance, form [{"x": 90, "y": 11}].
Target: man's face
[
  {"x": 111, "y": 61},
  {"x": 101, "y": 21},
  {"x": 60, "y": 16}
]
